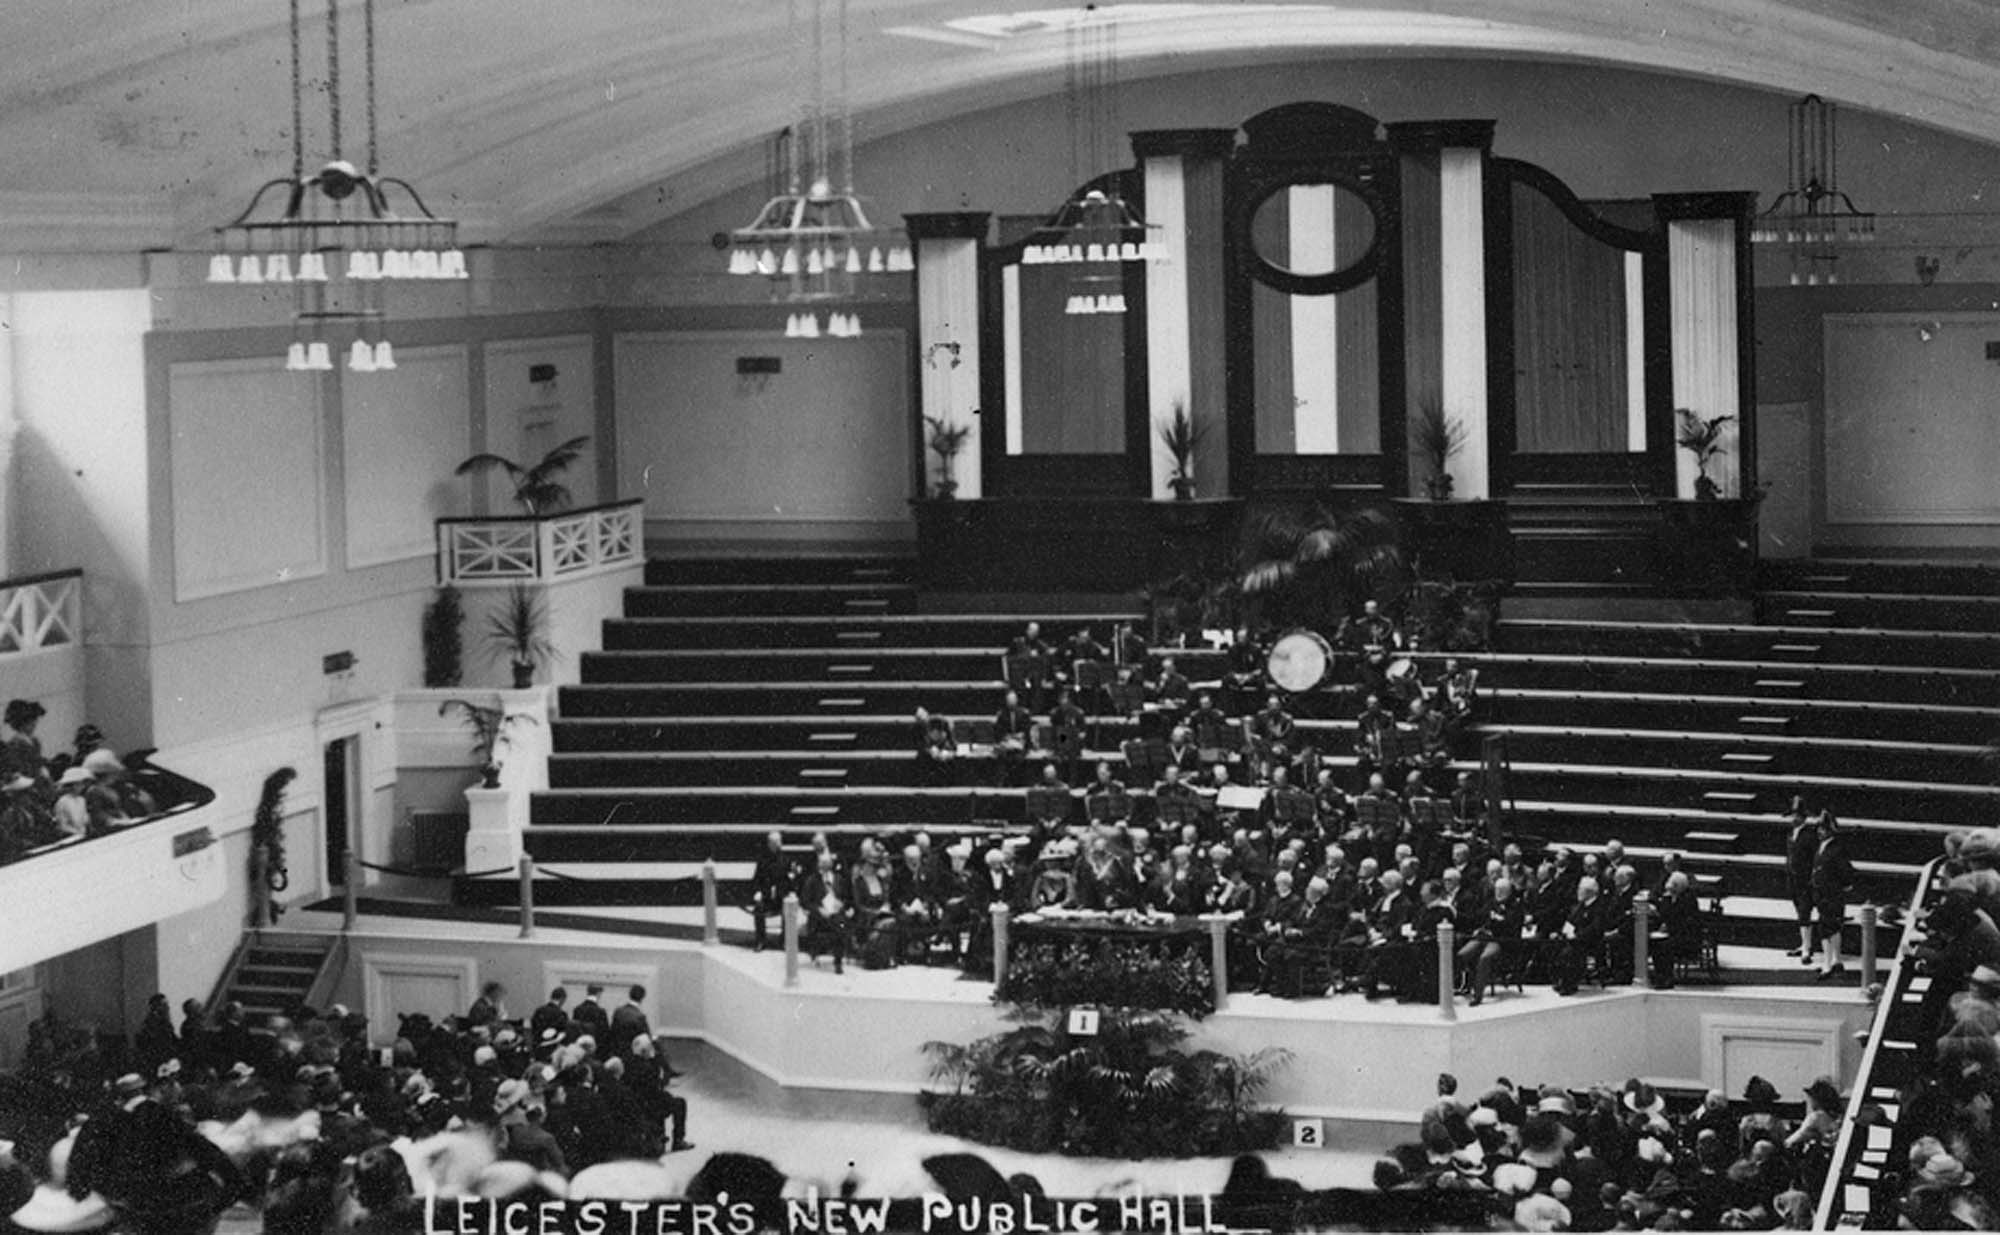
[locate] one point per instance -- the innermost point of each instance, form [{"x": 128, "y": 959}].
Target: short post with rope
[
  {"x": 350, "y": 891},
  {"x": 999, "y": 943},
  {"x": 1868, "y": 943},
  {"x": 1642, "y": 939},
  {"x": 1218, "y": 958},
  {"x": 710, "y": 935},
  {"x": 527, "y": 897},
  {"x": 790, "y": 916},
  {"x": 1447, "y": 983}
]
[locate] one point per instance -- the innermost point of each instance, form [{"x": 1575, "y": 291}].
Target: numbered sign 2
[
  {"x": 1083, "y": 1022},
  {"x": 1309, "y": 1133}
]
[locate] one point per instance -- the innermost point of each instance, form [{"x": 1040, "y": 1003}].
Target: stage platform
[{"x": 849, "y": 1045}]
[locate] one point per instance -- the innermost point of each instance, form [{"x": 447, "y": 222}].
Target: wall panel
[
  {"x": 402, "y": 433},
  {"x": 819, "y": 449},
  {"x": 246, "y": 476}
]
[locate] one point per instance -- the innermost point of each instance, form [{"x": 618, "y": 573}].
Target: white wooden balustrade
[{"x": 509, "y": 550}]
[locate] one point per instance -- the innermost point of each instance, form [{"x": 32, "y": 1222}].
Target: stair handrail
[
  {"x": 1839, "y": 1171},
  {"x": 326, "y": 980}
]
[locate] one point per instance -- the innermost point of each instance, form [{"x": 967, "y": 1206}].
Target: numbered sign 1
[
  {"x": 1309, "y": 1133},
  {"x": 1083, "y": 1022}
]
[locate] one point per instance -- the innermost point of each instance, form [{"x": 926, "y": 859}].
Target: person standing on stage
[
  {"x": 1832, "y": 875},
  {"x": 1800, "y": 846}
]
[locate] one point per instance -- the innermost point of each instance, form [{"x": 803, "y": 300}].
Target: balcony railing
[
  {"x": 41, "y": 611},
  {"x": 540, "y": 548}
]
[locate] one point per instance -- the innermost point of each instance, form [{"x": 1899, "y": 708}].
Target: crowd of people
[
  {"x": 293, "y": 1115},
  {"x": 53, "y": 799},
  {"x": 1945, "y": 1171},
  {"x": 1616, "y": 1157},
  {"x": 1335, "y": 883}
]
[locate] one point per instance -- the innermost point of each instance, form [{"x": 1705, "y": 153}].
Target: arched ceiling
[{"x": 125, "y": 124}]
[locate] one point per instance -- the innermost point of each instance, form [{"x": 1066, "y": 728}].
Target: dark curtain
[
  {"x": 1072, "y": 366},
  {"x": 1569, "y": 334}
]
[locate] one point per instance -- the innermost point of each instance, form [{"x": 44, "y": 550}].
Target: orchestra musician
[
  {"x": 1171, "y": 690},
  {"x": 1028, "y": 665},
  {"x": 1125, "y": 696},
  {"x": 1013, "y": 727},
  {"x": 826, "y": 911},
  {"x": 1106, "y": 800},
  {"x": 1375, "y": 738},
  {"x": 1068, "y": 722},
  {"x": 1049, "y": 805},
  {"x": 1127, "y": 648},
  {"x": 1175, "y": 802}
]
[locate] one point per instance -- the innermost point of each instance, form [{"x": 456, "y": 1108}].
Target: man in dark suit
[
  {"x": 1102, "y": 881},
  {"x": 770, "y": 882},
  {"x": 1392, "y": 924},
  {"x": 1013, "y": 729},
  {"x": 648, "y": 1075},
  {"x": 590, "y": 1016},
  {"x": 552, "y": 1015},
  {"x": 627, "y": 1023},
  {"x": 1171, "y": 689},
  {"x": 486, "y": 1009},
  {"x": 1580, "y": 938}
]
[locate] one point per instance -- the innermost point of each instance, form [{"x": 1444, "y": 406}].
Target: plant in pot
[
  {"x": 1438, "y": 438},
  {"x": 946, "y": 441},
  {"x": 1298, "y": 564},
  {"x": 1182, "y": 435},
  {"x": 519, "y": 631},
  {"x": 489, "y": 723},
  {"x": 538, "y": 486},
  {"x": 1701, "y": 438}
]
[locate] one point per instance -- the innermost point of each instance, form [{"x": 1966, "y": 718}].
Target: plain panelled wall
[{"x": 821, "y": 449}]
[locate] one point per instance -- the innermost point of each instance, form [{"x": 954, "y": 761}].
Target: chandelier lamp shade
[
  {"x": 1813, "y": 217},
  {"x": 336, "y": 236},
  {"x": 1097, "y": 231},
  {"x": 812, "y": 240}
]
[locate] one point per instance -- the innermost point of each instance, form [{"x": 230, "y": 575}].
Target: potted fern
[
  {"x": 489, "y": 723},
  {"x": 1438, "y": 439},
  {"x": 538, "y": 486},
  {"x": 946, "y": 440},
  {"x": 1182, "y": 435},
  {"x": 1701, "y": 438},
  {"x": 519, "y": 631}
]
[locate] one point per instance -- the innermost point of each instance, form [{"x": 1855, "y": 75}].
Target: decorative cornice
[{"x": 84, "y": 222}]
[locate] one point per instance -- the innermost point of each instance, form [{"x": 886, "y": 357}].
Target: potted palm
[
  {"x": 1182, "y": 435},
  {"x": 1706, "y": 545},
  {"x": 946, "y": 440},
  {"x": 489, "y": 723},
  {"x": 1701, "y": 438},
  {"x": 519, "y": 631},
  {"x": 538, "y": 486},
  {"x": 1438, "y": 438}
]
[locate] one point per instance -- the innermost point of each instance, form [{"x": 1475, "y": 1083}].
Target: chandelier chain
[
  {"x": 298, "y": 104},
  {"x": 368, "y": 44},
  {"x": 333, "y": 75}
]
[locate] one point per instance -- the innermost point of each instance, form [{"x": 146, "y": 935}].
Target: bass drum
[{"x": 1299, "y": 661}]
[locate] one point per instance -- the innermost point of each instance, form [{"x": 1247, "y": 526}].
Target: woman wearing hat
[
  {"x": 72, "y": 813},
  {"x": 20, "y": 749}
]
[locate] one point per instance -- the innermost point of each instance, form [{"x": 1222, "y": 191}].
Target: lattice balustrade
[
  {"x": 523, "y": 550},
  {"x": 45, "y": 611}
]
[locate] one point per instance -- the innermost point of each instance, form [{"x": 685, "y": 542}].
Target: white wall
[
  {"x": 81, "y": 486},
  {"x": 820, "y": 450}
]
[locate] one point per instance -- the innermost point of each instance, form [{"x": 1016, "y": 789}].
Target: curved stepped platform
[{"x": 743, "y": 695}]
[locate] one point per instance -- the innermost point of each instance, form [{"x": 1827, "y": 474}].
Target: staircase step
[
  {"x": 1728, "y": 798},
  {"x": 859, "y": 636},
  {"x": 1746, "y": 757},
  {"x": 1779, "y": 683},
  {"x": 1727, "y": 842},
  {"x": 832, "y": 739},
  {"x": 850, "y": 670},
  {"x": 843, "y": 701},
  {"x": 806, "y": 813},
  {"x": 822, "y": 775},
  {"x": 1772, "y": 722},
  {"x": 1798, "y": 649}
]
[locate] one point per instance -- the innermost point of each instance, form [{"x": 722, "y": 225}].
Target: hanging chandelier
[
  {"x": 813, "y": 240},
  {"x": 1812, "y": 217},
  {"x": 337, "y": 235},
  {"x": 1097, "y": 230}
]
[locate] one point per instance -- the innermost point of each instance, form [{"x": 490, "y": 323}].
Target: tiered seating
[{"x": 740, "y": 696}]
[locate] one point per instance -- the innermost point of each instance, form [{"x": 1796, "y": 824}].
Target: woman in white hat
[{"x": 72, "y": 813}]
